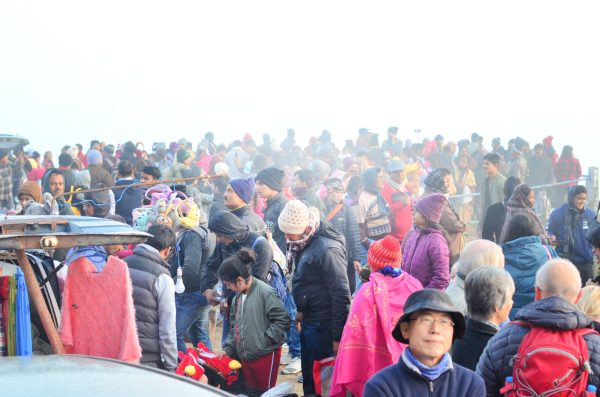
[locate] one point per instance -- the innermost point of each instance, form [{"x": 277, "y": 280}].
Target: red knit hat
[{"x": 385, "y": 252}]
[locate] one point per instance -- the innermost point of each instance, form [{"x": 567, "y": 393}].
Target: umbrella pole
[{"x": 38, "y": 302}]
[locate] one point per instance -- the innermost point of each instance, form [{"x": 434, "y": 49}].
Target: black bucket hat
[{"x": 434, "y": 300}]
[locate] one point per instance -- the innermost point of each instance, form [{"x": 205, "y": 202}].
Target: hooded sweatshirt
[
  {"x": 63, "y": 207},
  {"x": 226, "y": 224},
  {"x": 570, "y": 227}
]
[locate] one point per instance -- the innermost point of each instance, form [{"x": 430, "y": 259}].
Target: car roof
[
  {"x": 75, "y": 375},
  {"x": 35, "y": 232}
]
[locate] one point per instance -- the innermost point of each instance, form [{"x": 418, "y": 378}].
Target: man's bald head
[{"x": 558, "y": 277}]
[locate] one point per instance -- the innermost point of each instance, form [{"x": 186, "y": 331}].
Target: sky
[{"x": 72, "y": 71}]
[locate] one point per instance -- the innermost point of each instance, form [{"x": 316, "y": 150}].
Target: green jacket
[
  {"x": 492, "y": 191},
  {"x": 259, "y": 326}
]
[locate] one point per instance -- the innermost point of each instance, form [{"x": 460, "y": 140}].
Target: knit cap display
[
  {"x": 385, "y": 252},
  {"x": 243, "y": 188},
  {"x": 272, "y": 177},
  {"x": 431, "y": 206},
  {"x": 294, "y": 217}
]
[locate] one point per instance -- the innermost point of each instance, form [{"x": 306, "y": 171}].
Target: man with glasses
[{"x": 429, "y": 325}]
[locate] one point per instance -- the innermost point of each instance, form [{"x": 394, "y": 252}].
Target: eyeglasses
[{"x": 427, "y": 321}]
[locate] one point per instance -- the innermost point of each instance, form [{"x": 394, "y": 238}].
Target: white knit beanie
[{"x": 294, "y": 217}]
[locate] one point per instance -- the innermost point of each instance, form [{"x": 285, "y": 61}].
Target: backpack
[
  {"x": 550, "y": 362},
  {"x": 275, "y": 276}
]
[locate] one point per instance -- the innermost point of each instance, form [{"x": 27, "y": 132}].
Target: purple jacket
[{"x": 426, "y": 257}]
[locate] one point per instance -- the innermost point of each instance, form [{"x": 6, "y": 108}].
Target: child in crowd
[{"x": 258, "y": 322}]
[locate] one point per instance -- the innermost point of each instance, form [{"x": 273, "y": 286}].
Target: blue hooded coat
[
  {"x": 570, "y": 227},
  {"x": 522, "y": 259}
]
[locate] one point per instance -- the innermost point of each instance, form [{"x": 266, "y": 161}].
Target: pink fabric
[
  {"x": 98, "y": 318},
  {"x": 367, "y": 345}
]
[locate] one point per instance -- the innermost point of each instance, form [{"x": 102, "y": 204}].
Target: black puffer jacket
[
  {"x": 345, "y": 222},
  {"x": 495, "y": 362},
  {"x": 320, "y": 281},
  {"x": 254, "y": 222},
  {"x": 271, "y": 212},
  {"x": 229, "y": 225},
  {"x": 192, "y": 251}
]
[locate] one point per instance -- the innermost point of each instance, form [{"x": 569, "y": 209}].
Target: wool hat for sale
[
  {"x": 431, "y": 206},
  {"x": 243, "y": 188},
  {"x": 385, "y": 252},
  {"x": 294, "y": 217},
  {"x": 434, "y": 300},
  {"x": 272, "y": 177},
  {"x": 94, "y": 157}
]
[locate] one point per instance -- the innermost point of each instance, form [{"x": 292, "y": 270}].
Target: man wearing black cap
[
  {"x": 429, "y": 325},
  {"x": 269, "y": 183}
]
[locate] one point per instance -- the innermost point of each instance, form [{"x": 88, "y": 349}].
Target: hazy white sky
[{"x": 71, "y": 71}]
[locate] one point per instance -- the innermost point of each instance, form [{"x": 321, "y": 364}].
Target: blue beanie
[
  {"x": 243, "y": 188},
  {"x": 94, "y": 157}
]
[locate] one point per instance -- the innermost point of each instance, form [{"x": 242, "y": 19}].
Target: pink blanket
[
  {"x": 367, "y": 345},
  {"x": 98, "y": 317}
]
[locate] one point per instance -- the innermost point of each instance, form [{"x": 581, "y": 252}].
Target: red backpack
[{"x": 550, "y": 362}]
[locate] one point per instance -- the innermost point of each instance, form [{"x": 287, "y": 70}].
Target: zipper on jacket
[{"x": 431, "y": 388}]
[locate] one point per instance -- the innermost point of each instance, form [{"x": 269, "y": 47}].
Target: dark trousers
[{"x": 316, "y": 342}]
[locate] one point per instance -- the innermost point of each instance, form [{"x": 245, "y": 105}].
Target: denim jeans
[
  {"x": 316, "y": 341},
  {"x": 191, "y": 307},
  {"x": 293, "y": 337}
]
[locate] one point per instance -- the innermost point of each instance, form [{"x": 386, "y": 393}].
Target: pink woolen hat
[{"x": 431, "y": 206}]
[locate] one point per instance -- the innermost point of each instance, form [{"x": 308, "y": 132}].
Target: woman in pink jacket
[
  {"x": 367, "y": 345},
  {"x": 426, "y": 256}
]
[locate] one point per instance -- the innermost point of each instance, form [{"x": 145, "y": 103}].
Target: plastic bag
[{"x": 322, "y": 374}]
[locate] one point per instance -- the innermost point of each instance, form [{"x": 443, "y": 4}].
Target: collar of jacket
[
  {"x": 482, "y": 327},
  {"x": 150, "y": 253},
  {"x": 413, "y": 369}
]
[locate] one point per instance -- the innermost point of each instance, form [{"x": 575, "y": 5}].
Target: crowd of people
[{"x": 423, "y": 267}]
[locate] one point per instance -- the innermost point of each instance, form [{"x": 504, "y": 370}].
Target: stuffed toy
[
  {"x": 189, "y": 365},
  {"x": 225, "y": 368},
  {"x": 204, "y": 365}
]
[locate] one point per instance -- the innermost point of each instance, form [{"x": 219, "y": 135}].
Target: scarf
[
  {"x": 295, "y": 247},
  {"x": 396, "y": 185},
  {"x": 429, "y": 373},
  {"x": 370, "y": 186},
  {"x": 434, "y": 181},
  {"x": 390, "y": 271},
  {"x": 518, "y": 203}
]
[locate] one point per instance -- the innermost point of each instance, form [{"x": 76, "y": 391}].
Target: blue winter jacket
[
  {"x": 581, "y": 252},
  {"x": 522, "y": 258},
  {"x": 495, "y": 364},
  {"x": 404, "y": 379},
  {"x": 127, "y": 199}
]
